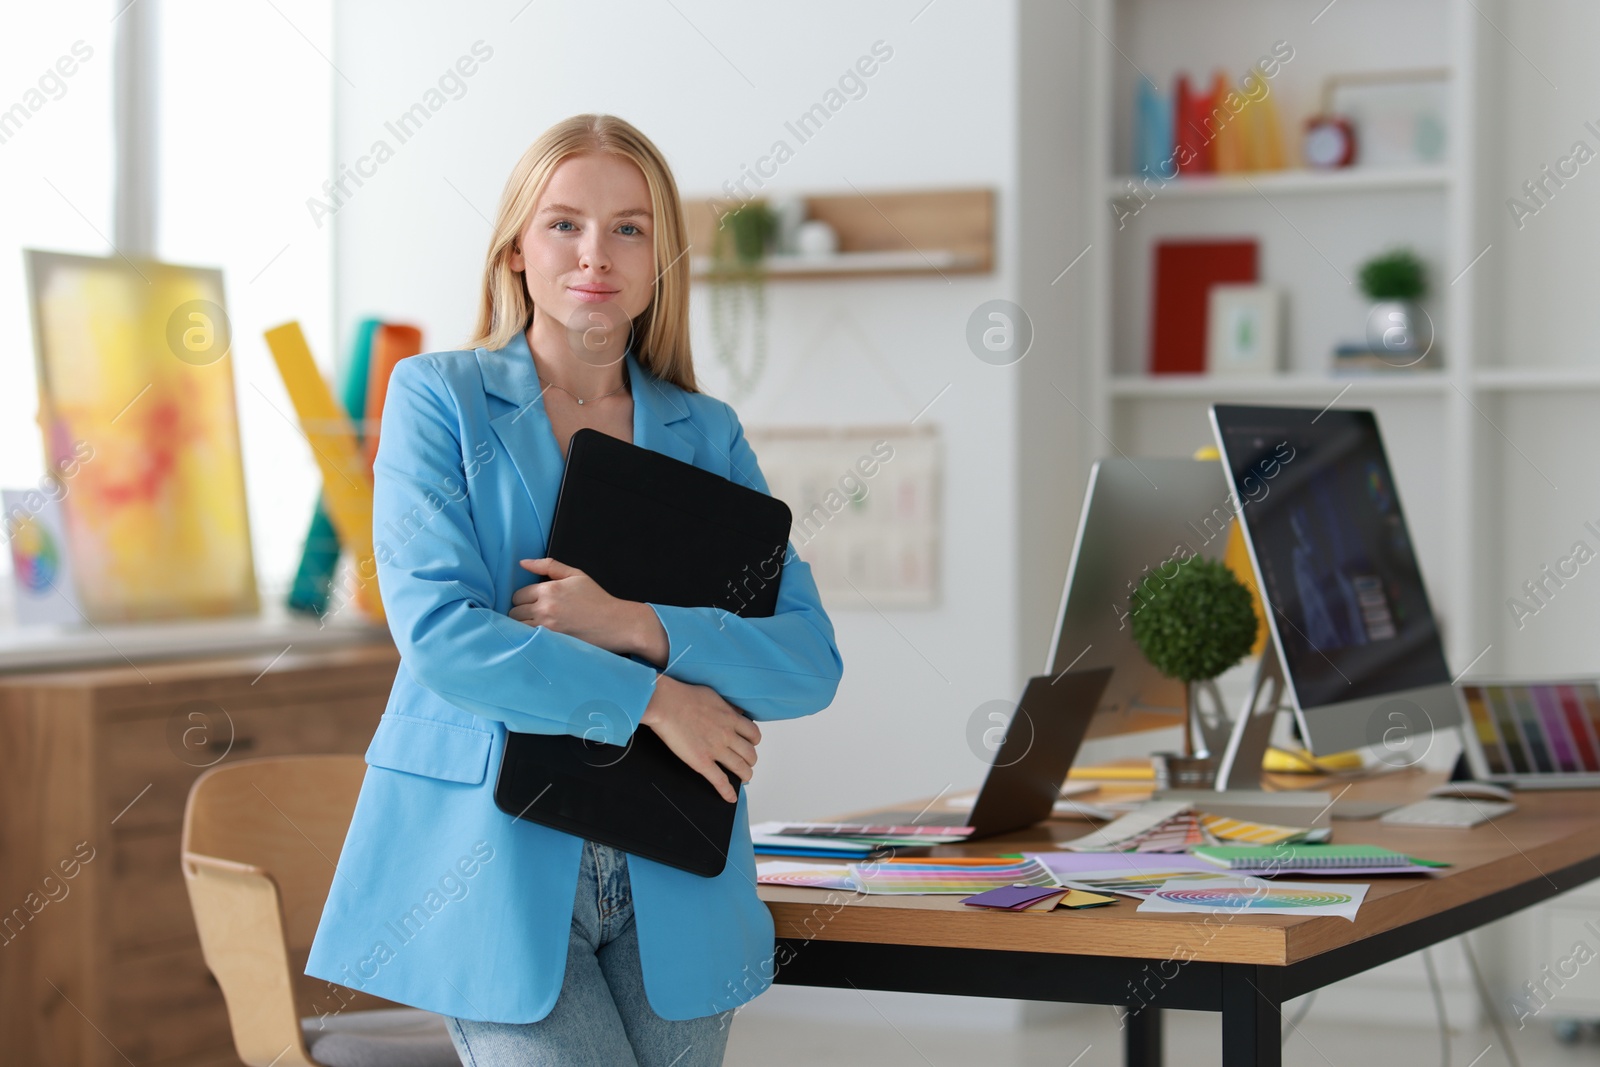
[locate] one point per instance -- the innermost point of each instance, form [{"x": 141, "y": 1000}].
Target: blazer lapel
[
  {"x": 656, "y": 407},
  {"x": 524, "y": 428}
]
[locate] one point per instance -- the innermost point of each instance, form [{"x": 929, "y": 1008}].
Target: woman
[{"x": 540, "y": 946}]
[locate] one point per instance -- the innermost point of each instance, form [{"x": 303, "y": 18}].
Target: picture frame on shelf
[
  {"x": 1244, "y": 331},
  {"x": 1399, "y": 118}
]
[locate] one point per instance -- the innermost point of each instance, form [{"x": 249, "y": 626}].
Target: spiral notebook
[{"x": 654, "y": 529}]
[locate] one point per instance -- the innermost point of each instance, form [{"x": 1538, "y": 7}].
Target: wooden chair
[{"x": 260, "y": 838}]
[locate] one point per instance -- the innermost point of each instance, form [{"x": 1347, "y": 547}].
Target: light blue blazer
[{"x": 440, "y": 900}]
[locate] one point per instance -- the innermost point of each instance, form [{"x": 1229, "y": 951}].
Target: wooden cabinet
[{"x": 99, "y": 961}]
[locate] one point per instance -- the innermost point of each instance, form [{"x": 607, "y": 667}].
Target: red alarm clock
[{"x": 1330, "y": 142}]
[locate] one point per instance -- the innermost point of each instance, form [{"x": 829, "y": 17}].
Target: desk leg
[
  {"x": 1252, "y": 1018},
  {"x": 1141, "y": 1042}
]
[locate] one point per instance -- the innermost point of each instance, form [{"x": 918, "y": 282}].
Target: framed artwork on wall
[
  {"x": 866, "y": 509},
  {"x": 136, "y": 390}
]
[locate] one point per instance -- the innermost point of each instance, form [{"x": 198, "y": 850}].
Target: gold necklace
[{"x": 581, "y": 401}]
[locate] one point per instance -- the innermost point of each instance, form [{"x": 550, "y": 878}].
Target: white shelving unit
[
  {"x": 1492, "y": 450},
  {"x": 1314, "y": 228}
]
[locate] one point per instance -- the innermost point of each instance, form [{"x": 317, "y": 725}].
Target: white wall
[
  {"x": 713, "y": 86},
  {"x": 1548, "y": 271}
]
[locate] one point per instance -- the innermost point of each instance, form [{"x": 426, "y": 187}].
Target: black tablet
[{"x": 655, "y": 529}]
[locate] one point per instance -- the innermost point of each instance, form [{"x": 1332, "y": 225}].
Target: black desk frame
[{"x": 1249, "y": 996}]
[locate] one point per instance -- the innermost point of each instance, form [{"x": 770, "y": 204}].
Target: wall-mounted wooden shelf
[{"x": 941, "y": 231}]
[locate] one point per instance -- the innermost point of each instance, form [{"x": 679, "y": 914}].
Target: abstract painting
[{"x": 135, "y": 370}]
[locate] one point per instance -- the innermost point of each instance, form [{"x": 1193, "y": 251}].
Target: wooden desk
[
  {"x": 103, "y": 968},
  {"x": 1243, "y": 966}
]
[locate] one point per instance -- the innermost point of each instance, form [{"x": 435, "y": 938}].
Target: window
[
  {"x": 244, "y": 113},
  {"x": 56, "y": 177},
  {"x": 245, "y": 129}
]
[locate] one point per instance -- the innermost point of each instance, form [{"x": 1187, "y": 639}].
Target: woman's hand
[
  {"x": 568, "y": 601},
  {"x": 704, "y": 731}
]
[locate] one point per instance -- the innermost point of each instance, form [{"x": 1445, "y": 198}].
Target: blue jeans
[{"x": 601, "y": 1016}]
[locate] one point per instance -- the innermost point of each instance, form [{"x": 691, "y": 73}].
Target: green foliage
[
  {"x": 1395, "y": 275},
  {"x": 1196, "y": 623},
  {"x": 744, "y": 233}
]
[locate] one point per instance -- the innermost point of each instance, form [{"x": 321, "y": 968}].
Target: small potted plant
[
  {"x": 737, "y": 279},
  {"x": 1193, "y": 619},
  {"x": 1395, "y": 282}
]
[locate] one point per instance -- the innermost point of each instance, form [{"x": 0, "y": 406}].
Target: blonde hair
[{"x": 661, "y": 331}]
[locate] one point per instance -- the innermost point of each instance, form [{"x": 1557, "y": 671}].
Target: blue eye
[
  {"x": 632, "y": 227},
  {"x": 563, "y": 222}
]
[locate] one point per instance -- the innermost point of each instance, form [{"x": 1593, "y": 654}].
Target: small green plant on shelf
[
  {"x": 1193, "y": 619},
  {"x": 738, "y": 279},
  {"x": 1395, "y": 275}
]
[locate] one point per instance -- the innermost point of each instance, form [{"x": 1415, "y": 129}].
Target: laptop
[{"x": 1040, "y": 743}]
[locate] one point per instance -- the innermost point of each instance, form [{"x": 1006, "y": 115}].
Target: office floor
[{"x": 888, "y": 1030}]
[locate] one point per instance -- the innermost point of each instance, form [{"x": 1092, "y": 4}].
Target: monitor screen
[
  {"x": 1139, "y": 516},
  {"x": 1324, "y": 523}
]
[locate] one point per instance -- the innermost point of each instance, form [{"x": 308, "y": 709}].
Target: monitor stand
[{"x": 1240, "y": 766}]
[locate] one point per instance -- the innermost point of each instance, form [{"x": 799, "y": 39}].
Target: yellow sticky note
[{"x": 346, "y": 482}]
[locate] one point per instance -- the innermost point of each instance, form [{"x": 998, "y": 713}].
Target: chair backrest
[
  {"x": 284, "y": 814},
  {"x": 260, "y": 840}
]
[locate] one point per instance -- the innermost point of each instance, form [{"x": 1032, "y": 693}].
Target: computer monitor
[
  {"x": 1356, "y": 639},
  {"x": 1139, "y": 515}
]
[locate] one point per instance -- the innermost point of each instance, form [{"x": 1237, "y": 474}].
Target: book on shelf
[
  {"x": 1360, "y": 357},
  {"x": 1185, "y": 271}
]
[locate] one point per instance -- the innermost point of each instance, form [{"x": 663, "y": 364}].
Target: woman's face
[{"x": 590, "y": 241}]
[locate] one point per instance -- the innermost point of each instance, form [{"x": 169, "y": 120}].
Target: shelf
[
  {"x": 1490, "y": 380},
  {"x": 1536, "y": 379},
  {"x": 1288, "y": 182},
  {"x": 918, "y": 232},
  {"x": 1323, "y": 386},
  {"x": 857, "y": 263}
]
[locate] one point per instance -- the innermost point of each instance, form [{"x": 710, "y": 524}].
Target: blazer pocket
[{"x": 432, "y": 749}]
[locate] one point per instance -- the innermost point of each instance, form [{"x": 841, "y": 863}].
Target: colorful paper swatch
[
  {"x": 1537, "y": 729},
  {"x": 1138, "y": 884},
  {"x": 1309, "y": 857},
  {"x": 1120, "y": 834},
  {"x": 806, "y": 875},
  {"x": 1016, "y": 897},
  {"x": 1178, "y": 834},
  {"x": 840, "y": 829},
  {"x": 1172, "y": 827},
  {"x": 1254, "y": 896},
  {"x": 1243, "y": 831},
  {"x": 934, "y": 877}
]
